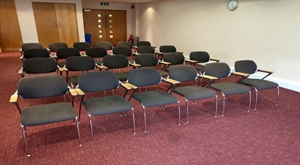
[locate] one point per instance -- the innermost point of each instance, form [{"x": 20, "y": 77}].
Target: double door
[
  {"x": 105, "y": 25},
  {"x": 55, "y": 22}
]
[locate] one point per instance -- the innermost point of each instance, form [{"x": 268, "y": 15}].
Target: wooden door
[
  {"x": 105, "y": 25},
  {"x": 55, "y": 22},
  {"x": 67, "y": 23},
  {"x": 46, "y": 23},
  {"x": 10, "y": 33}
]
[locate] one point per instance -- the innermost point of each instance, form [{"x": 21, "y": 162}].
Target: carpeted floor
[{"x": 270, "y": 135}]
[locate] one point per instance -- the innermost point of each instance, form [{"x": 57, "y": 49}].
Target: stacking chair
[
  {"x": 143, "y": 77},
  {"x": 145, "y": 49},
  {"x": 148, "y": 60},
  {"x": 199, "y": 59},
  {"x": 187, "y": 73},
  {"x": 81, "y": 46},
  {"x": 122, "y": 50},
  {"x": 143, "y": 43},
  {"x": 214, "y": 71},
  {"x": 116, "y": 63},
  {"x": 98, "y": 82},
  {"x": 53, "y": 46},
  {"x": 125, "y": 44},
  {"x": 38, "y": 66},
  {"x": 44, "y": 87},
  {"x": 64, "y": 53},
  {"x": 75, "y": 64},
  {"x": 30, "y": 46},
  {"x": 97, "y": 53},
  {"x": 107, "y": 45},
  {"x": 35, "y": 53},
  {"x": 246, "y": 68},
  {"x": 165, "y": 49},
  {"x": 172, "y": 58}
]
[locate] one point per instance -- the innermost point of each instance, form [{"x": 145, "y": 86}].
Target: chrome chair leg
[
  {"x": 256, "y": 97},
  {"x": 179, "y": 118},
  {"x": 78, "y": 131},
  {"x": 24, "y": 136},
  {"x": 250, "y": 100},
  {"x": 91, "y": 125},
  {"x": 187, "y": 111},
  {"x": 144, "y": 109},
  {"x": 216, "y": 106},
  {"x": 133, "y": 119},
  {"x": 224, "y": 97},
  {"x": 277, "y": 98}
]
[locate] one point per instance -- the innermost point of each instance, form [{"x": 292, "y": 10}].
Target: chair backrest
[
  {"x": 144, "y": 77},
  {"x": 146, "y": 60},
  {"x": 174, "y": 58},
  {"x": 114, "y": 62},
  {"x": 39, "y": 65},
  {"x": 42, "y": 86},
  {"x": 53, "y": 46},
  {"x": 124, "y": 44},
  {"x": 31, "y": 46},
  {"x": 98, "y": 81},
  {"x": 245, "y": 66},
  {"x": 199, "y": 56},
  {"x": 167, "y": 48},
  {"x": 219, "y": 70},
  {"x": 122, "y": 51},
  {"x": 183, "y": 73},
  {"x": 106, "y": 45},
  {"x": 80, "y": 63},
  {"x": 145, "y": 49},
  {"x": 143, "y": 43},
  {"x": 81, "y": 46},
  {"x": 63, "y": 53},
  {"x": 96, "y": 52},
  {"x": 35, "y": 53}
]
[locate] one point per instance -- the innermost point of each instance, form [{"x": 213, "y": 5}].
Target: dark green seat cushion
[
  {"x": 260, "y": 84},
  {"x": 195, "y": 92},
  {"x": 155, "y": 98},
  {"x": 229, "y": 88}
]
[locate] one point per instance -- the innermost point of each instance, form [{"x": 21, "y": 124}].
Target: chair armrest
[
  {"x": 128, "y": 86},
  {"x": 266, "y": 71},
  {"x": 101, "y": 66},
  {"x": 208, "y": 77},
  {"x": 164, "y": 62},
  {"x": 84, "y": 55},
  {"x": 135, "y": 54},
  {"x": 53, "y": 56},
  {"x": 171, "y": 81},
  {"x": 73, "y": 92},
  {"x": 135, "y": 64},
  {"x": 79, "y": 91},
  {"x": 241, "y": 74},
  {"x": 22, "y": 57},
  {"x": 62, "y": 69},
  {"x": 193, "y": 62},
  {"x": 213, "y": 59},
  {"x": 20, "y": 71},
  {"x": 13, "y": 98}
]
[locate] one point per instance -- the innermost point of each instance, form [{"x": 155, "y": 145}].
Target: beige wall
[{"x": 266, "y": 31}]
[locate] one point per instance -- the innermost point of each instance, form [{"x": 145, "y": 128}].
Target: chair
[
  {"x": 246, "y": 68},
  {"x": 165, "y": 49},
  {"x": 107, "y": 45},
  {"x": 38, "y": 66},
  {"x": 97, "y": 53},
  {"x": 187, "y": 73},
  {"x": 30, "y": 46},
  {"x": 64, "y": 53},
  {"x": 35, "y": 53},
  {"x": 98, "y": 82},
  {"x": 145, "y": 49},
  {"x": 199, "y": 59},
  {"x": 126, "y": 51},
  {"x": 116, "y": 62},
  {"x": 214, "y": 71},
  {"x": 172, "y": 58},
  {"x": 143, "y": 77},
  {"x": 81, "y": 46},
  {"x": 44, "y": 87},
  {"x": 143, "y": 43},
  {"x": 53, "y": 46},
  {"x": 125, "y": 44},
  {"x": 75, "y": 64},
  {"x": 148, "y": 60}
]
